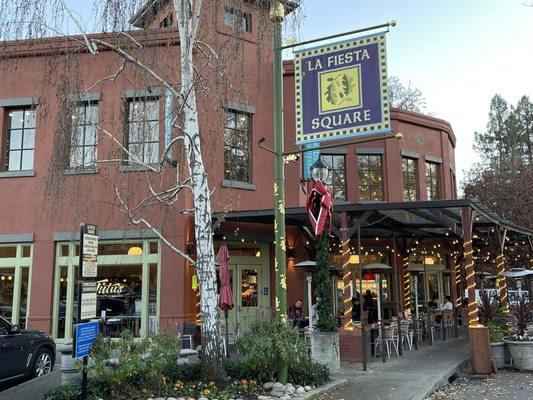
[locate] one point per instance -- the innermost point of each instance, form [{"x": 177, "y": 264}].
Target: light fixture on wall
[
  {"x": 290, "y": 253},
  {"x": 135, "y": 251},
  {"x": 430, "y": 261},
  {"x": 354, "y": 259}
]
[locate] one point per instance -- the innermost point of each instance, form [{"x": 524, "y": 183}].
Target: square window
[
  {"x": 14, "y": 160},
  {"x": 27, "y": 160},
  {"x": 15, "y": 139}
]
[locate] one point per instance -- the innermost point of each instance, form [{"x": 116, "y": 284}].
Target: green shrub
[
  {"x": 308, "y": 372},
  {"x": 324, "y": 304},
  {"x": 140, "y": 364},
  {"x": 71, "y": 392},
  {"x": 266, "y": 345}
]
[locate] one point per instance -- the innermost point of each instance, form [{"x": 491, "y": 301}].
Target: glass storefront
[
  {"x": 127, "y": 288},
  {"x": 15, "y": 264}
]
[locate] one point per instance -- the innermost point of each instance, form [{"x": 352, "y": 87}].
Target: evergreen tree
[
  {"x": 507, "y": 143},
  {"x": 324, "y": 304}
]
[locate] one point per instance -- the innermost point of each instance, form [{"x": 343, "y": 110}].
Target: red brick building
[{"x": 56, "y": 174}]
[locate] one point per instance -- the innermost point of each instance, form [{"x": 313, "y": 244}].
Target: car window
[{"x": 4, "y": 327}]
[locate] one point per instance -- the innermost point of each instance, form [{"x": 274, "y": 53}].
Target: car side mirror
[{"x": 15, "y": 330}]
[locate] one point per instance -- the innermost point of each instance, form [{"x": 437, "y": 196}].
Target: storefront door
[{"x": 250, "y": 283}]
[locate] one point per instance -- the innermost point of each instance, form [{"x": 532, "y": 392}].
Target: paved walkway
[
  {"x": 33, "y": 389},
  {"x": 411, "y": 377},
  {"x": 507, "y": 384}
]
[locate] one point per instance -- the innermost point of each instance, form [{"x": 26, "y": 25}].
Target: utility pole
[{"x": 277, "y": 14}]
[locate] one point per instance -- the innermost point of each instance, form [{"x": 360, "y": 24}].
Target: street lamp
[
  {"x": 309, "y": 267},
  {"x": 320, "y": 171}
]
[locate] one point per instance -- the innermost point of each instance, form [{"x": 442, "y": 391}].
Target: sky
[{"x": 459, "y": 53}]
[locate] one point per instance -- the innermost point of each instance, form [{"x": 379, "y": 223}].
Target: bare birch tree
[{"x": 36, "y": 19}]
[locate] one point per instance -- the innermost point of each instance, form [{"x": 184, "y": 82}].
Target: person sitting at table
[
  {"x": 434, "y": 303},
  {"x": 356, "y": 307},
  {"x": 368, "y": 305},
  {"x": 295, "y": 312},
  {"x": 447, "y": 304}
]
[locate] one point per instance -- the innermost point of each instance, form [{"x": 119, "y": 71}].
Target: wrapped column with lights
[
  {"x": 406, "y": 285},
  {"x": 501, "y": 235},
  {"x": 478, "y": 334},
  {"x": 346, "y": 273}
]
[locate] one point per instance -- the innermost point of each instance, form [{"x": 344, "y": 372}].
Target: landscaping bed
[{"x": 148, "y": 370}]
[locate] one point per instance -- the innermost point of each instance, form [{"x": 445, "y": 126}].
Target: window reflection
[
  {"x": 370, "y": 177},
  {"x": 119, "y": 290},
  {"x": 62, "y": 301},
  {"x": 7, "y": 285},
  {"x": 249, "y": 293}
]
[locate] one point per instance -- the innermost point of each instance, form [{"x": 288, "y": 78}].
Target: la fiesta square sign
[{"x": 341, "y": 90}]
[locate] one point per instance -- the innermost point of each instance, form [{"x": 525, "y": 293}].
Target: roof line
[{"x": 473, "y": 203}]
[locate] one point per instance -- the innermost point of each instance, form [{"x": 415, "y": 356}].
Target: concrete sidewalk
[
  {"x": 411, "y": 377},
  {"x": 33, "y": 389}
]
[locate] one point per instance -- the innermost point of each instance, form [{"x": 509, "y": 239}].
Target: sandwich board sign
[{"x": 341, "y": 90}]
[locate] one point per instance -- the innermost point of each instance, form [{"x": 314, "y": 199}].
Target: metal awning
[{"x": 435, "y": 218}]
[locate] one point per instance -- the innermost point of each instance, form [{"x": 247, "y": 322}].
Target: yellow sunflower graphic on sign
[{"x": 340, "y": 89}]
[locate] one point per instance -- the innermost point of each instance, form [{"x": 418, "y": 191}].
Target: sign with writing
[
  {"x": 341, "y": 90},
  {"x": 89, "y": 256},
  {"x": 85, "y": 335},
  {"x": 310, "y": 157},
  {"x": 88, "y": 300}
]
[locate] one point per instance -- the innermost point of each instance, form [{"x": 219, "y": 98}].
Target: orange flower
[
  {"x": 145, "y": 390},
  {"x": 212, "y": 383},
  {"x": 206, "y": 392}
]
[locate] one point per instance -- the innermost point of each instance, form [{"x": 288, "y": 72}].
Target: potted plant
[
  {"x": 325, "y": 339},
  {"x": 491, "y": 315},
  {"x": 521, "y": 344}
]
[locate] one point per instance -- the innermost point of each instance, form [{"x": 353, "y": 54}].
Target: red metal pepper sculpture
[{"x": 319, "y": 206}]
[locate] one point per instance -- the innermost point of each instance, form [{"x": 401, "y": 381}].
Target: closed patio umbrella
[{"x": 225, "y": 300}]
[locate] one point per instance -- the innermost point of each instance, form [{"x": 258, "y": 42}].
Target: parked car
[{"x": 24, "y": 353}]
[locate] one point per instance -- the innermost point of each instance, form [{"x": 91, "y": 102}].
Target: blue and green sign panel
[{"x": 341, "y": 90}]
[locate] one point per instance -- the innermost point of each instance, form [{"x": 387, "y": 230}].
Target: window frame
[
  {"x": 367, "y": 172},
  {"x": 433, "y": 181},
  {"x": 331, "y": 184},
  {"x": 127, "y": 132},
  {"x": 243, "y": 16},
  {"x": 77, "y": 105},
  {"x": 7, "y": 139},
  {"x": 70, "y": 262},
  {"x": 229, "y": 175},
  {"x": 416, "y": 180}
]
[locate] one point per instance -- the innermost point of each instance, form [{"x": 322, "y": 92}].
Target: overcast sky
[{"x": 459, "y": 53}]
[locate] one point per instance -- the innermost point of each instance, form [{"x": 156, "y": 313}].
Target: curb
[
  {"x": 445, "y": 379},
  {"x": 312, "y": 394}
]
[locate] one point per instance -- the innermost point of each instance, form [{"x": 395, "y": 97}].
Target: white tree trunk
[{"x": 212, "y": 367}]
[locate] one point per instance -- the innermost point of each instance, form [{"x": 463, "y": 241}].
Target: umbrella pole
[{"x": 227, "y": 332}]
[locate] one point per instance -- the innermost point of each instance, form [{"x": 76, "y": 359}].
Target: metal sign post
[{"x": 86, "y": 333}]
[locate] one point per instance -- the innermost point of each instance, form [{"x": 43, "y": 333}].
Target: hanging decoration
[{"x": 319, "y": 207}]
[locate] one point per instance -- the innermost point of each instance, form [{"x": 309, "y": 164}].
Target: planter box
[
  {"x": 498, "y": 354},
  {"x": 521, "y": 354},
  {"x": 325, "y": 349}
]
